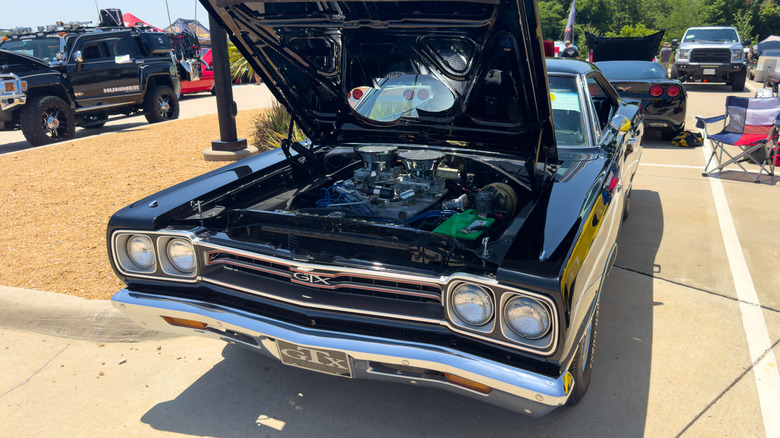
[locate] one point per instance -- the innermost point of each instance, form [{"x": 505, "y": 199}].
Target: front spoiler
[{"x": 512, "y": 388}]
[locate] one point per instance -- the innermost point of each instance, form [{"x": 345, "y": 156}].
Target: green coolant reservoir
[{"x": 461, "y": 225}]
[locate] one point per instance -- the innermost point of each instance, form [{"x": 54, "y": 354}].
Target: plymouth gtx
[{"x": 449, "y": 221}]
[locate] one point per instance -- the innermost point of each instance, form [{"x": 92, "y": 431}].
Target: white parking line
[{"x": 765, "y": 372}]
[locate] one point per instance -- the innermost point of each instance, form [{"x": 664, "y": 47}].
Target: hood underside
[
  {"x": 624, "y": 48},
  {"x": 465, "y": 74}
]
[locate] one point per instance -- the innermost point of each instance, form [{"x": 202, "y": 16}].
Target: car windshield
[
  {"x": 629, "y": 70},
  {"x": 718, "y": 35},
  {"x": 43, "y": 48},
  {"x": 402, "y": 95},
  {"x": 567, "y": 112}
]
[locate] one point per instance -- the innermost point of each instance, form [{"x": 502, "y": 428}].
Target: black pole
[{"x": 226, "y": 107}]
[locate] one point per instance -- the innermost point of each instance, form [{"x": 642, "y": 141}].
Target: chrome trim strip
[
  {"x": 532, "y": 393},
  {"x": 323, "y": 270},
  {"x": 334, "y": 286},
  {"x": 320, "y": 306}
]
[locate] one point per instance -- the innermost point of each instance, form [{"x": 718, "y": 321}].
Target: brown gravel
[{"x": 58, "y": 199}]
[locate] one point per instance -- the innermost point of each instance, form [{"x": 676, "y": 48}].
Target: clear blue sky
[{"x": 34, "y": 13}]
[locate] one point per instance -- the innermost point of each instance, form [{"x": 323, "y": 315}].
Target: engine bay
[{"x": 423, "y": 189}]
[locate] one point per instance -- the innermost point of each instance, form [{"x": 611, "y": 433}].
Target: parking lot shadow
[
  {"x": 247, "y": 394},
  {"x": 17, "y": 146}
]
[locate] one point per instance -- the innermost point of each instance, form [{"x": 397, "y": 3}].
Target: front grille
[
  {"x": 363, "y": 283},
  {"x": 720, "y": 56}
]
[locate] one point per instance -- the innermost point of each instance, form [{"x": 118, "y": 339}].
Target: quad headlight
[
  {"x": 472, "y": 304},
  {"x": 153, "y": 254},
  {"x": 527, "y": 317},
  {"x": 140, "y": 250},
  {"x": 181, "y": 254}
]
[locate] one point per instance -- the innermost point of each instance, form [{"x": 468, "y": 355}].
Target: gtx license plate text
[
  {"x": 709, "y": 71},
  {"x": 324, "y": 361}
]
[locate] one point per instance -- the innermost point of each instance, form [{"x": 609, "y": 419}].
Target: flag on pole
[{"x": 568, "y": 34}]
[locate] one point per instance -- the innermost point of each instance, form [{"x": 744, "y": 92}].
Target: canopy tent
[
  {"x": 770, "y": 43},
  {"x": 194, "y": 27},
  {"x": 131, "y": 20}
]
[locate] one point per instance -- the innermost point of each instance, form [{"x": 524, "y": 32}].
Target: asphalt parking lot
[{"x": 689, "y": 333}]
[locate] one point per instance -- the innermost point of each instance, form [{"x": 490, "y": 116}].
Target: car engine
[{"x": 414, "y": 188}]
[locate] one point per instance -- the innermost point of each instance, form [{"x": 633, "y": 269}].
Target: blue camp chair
[{"x": 751, "y": 124}]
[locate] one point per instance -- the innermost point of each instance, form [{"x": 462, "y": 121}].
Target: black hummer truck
[{"x": 65, "y": 76}]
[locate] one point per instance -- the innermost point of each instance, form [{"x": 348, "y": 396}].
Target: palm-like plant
[
  {"x": 272, "y": 126},
  {"x": 239, "y": 66}
]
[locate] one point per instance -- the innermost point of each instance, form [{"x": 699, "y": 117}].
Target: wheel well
[
  {"x": 158, "y": 80},
  {"x": 49, "y": 91}
]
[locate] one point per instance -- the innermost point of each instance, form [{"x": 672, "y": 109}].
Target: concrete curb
[{"x": 68, "y": 317}]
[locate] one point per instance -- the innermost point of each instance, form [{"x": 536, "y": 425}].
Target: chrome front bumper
[{"x": 512, "y": 388}]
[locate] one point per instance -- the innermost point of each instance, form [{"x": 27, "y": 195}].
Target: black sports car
[
  {"x": 662, "y": 99},
  {"x": 627, "y": 63}
]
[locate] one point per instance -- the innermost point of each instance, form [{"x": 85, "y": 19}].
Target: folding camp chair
[{"x": 749, "y": 123}]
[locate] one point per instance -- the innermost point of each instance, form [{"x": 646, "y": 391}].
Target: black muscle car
[{"x": 450, "y": 222}]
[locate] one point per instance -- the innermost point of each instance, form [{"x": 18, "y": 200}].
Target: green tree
[{"x": 553, "y": 19}]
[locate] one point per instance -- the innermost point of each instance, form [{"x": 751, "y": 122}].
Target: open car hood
[
  {"x": 9, "y": 58},
  {"x": 461, "y": 74},
  {"x": 624, "y": 48}
]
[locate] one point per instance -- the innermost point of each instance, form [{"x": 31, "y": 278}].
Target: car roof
[{"x": 570, "y": 66}]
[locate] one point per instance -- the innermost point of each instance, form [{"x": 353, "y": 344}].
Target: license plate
[
  {"x": 315, "y": 359},
  {"x": 709, "y": 71}
]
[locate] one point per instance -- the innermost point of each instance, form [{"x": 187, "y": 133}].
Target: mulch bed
[{"x": 58, "y": 199}]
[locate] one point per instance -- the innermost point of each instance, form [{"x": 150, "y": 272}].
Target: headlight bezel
[
  {"x": 163, "y": 269},
  {"x": 455, "y": 317},
  {"x": 515, "y": 334},
  {"x": 166, "y": 262},
  {"x": 496, "y": 331},
  {"x": 131, "y": 262}
]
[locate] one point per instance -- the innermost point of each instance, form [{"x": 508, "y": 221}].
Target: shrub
[{"x": 272, "y": 126}]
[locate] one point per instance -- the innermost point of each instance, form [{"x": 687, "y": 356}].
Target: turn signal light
[
  {"x": 466, "y": 383},
  {"x": 188, "y": 323},
  {"x": 9, "y": 87}
]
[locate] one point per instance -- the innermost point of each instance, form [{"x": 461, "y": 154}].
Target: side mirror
[
  {"x": 77, "y": 56},
  {"x": 746, "y": 43},
  {"x": 620, "y": 123},
  {"x": 675, "y": 43}
]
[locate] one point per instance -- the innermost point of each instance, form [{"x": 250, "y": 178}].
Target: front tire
[
  {"x": 581, "y": 367},
  {"x": 161, "y": 104},
  {"x": 738, "y": 81},
  {"x": 674, "y": 74},
  {"x": 47, "y": 119}
]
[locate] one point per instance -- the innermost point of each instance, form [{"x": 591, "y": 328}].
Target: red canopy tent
[{"x": 131, "y": 20}]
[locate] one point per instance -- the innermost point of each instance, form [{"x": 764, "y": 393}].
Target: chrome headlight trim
[
  {"x": 140, "y": 253},
  {"x": 545, "y": 345},
  {"x": 457, "y": 317},
  {"x": 535, "y": 307},
  {"x": 163, "y": 269},
  {"x": 171, "y": 267}
]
